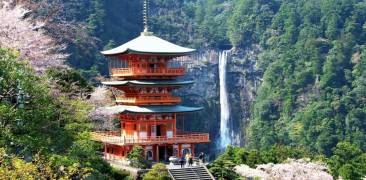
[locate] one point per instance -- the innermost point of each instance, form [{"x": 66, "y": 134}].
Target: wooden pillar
[
  {"x": 154, "y": 152},
  {"x": 175, "y": 127},
  {"x": 165, "y": 153},
  {"x": 157, "y": 154},
  {"x": 139, "y": 129},
  {"x": 179, "y": 150},
  {"x": 192, "y": 149}
]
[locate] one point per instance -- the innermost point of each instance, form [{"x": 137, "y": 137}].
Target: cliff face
[{"x": 242, "y": 81}]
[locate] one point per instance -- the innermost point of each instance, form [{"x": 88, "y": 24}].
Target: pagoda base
[{"x": 154, "y": 153}]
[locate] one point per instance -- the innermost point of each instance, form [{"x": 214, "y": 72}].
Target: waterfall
[{"x": 224, "y": 103}]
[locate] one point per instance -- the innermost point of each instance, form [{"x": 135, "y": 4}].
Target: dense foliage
[
  {"x": 158, "y": 172},
  {"x": 43, "y": 133},
  {"x": 348, "y": 161},
  {"x": 137, "y": 158},
  {"x": 313, "y": 86}
]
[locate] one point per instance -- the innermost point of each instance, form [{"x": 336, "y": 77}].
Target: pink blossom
[{"x": 28, "y": 38}]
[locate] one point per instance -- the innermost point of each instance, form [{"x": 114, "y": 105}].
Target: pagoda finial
[{"x": 146, "y": 21}]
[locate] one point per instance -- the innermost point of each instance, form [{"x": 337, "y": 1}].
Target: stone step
[{"x": 191, "y": 173}]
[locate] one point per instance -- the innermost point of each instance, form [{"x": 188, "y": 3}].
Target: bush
[
  {"x": 137, "y": 158},
  {"x": 347, "y": 161},
  {"x": 158, "y": 172},
  {"x": 119, "y": 174}
]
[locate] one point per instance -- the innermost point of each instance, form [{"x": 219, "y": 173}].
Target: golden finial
[
  {"x": 146, "y": 26},
  {"x": 146, "y": 21}
]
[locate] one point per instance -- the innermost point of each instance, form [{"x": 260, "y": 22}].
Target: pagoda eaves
[
  {"x": 154, "y": 109},
  {"x": 149, "y": 44},
  {"x": 148, "y": 83}
]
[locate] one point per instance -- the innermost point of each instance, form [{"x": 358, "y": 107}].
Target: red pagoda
[{"x": 142, "y": 72}]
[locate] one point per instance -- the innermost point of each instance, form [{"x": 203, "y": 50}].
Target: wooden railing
[
  {"x": 148, "y": 100},
  {"x": 106, "y": 137},
  {"x": 147, "y": 71}
]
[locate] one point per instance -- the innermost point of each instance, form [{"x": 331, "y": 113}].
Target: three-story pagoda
[{"x": 142, "y": 71}]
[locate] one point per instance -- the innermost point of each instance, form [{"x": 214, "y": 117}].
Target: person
[
  {"x": 188, "y": 156},
  {"x": 200, "y": 158},
  {"x": 190, "y": 160},
  {"x": 181, "y": 162}
]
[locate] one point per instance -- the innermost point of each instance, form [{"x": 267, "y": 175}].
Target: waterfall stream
[{"x": 224, "y": 103}]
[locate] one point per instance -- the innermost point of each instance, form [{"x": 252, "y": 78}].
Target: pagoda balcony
[
  {"x": 148, "y": 100},
  {"x": 181, "y": 137},
  {"x": 127, "y": 72}
]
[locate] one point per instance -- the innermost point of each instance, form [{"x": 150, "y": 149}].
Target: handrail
[
  {"x": 111, "y": 138},
  {"x": 147, "y": 71},
  {"x": 149, "y": 100},
  {"x": 208, "y": 171}
]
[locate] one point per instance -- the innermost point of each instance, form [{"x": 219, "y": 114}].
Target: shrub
[
  {"x": 158, "y": 172},
  {"x": 136, "y": 156}
]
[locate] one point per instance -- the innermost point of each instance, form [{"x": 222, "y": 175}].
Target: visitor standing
[
  {"x": 181, "y": 162},
  {"x": 200, "y": 158},
  {"x": 190, "y": 160}
]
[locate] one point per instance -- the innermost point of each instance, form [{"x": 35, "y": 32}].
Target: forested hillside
[
  {"x": 310, "y": 56},
  {"x": 313, "y": 56}
]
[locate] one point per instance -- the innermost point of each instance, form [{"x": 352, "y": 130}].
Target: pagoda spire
[{"x": 145, "y": 19}]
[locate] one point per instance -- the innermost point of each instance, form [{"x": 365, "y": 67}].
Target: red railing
[
  {"x": 106, "y": 137},
  {"x": 148, "y": 100},
  {"x": 147, "y": 71}
]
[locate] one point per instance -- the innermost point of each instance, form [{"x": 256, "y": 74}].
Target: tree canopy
[{"x": 43, "y": 133}]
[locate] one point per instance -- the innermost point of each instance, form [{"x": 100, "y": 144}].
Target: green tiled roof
[
  {"x": 154, "y": 109},
  {"x": 148, "y": 82},
  {"x": 148, "y": 44}
]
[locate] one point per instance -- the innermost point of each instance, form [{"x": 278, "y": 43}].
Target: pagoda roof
[
  {"x": 153, "y": 109},
  {"x": 148, "y": 44},
  {"x": 148, "y": 82}
]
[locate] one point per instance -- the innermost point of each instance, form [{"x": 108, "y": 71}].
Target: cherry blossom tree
[
  {"x": 301, "y": 169},
  {"x": 29, "y": 38}
]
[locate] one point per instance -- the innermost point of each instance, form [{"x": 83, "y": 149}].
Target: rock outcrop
[{"x": 243, "y": 78}]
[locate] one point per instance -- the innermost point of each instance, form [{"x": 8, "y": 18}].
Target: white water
[{"x": 224, "y": 103}]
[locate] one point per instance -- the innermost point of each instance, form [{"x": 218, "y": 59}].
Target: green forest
[{"x": 311, "y": 102}]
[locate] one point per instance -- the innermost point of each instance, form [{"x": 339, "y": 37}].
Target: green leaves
[
  {"x": 348, "y": 161},
  {"x": 51, "y": 131},
  {"x": 158, "y": 172},
  {"x": 313, "y": 81},
  {"x": 137, "y": 158},
  {"x": 249, "y": 20}
]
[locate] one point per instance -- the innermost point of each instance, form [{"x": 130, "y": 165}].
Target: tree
[
  {"x": 158, "y": 172},
  {"x": 70, "y": 82},
  {"x": 29, "y": 38},
  {"x": 348, "y": 161},
  {"x": 41, "y": 131},
  {"x": 312, "y": 94},
  {"x": 223, "y": 167},
  {"x": 137, "y": 158}
]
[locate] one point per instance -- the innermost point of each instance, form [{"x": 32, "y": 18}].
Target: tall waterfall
[{"x": 224, "y": 103}]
